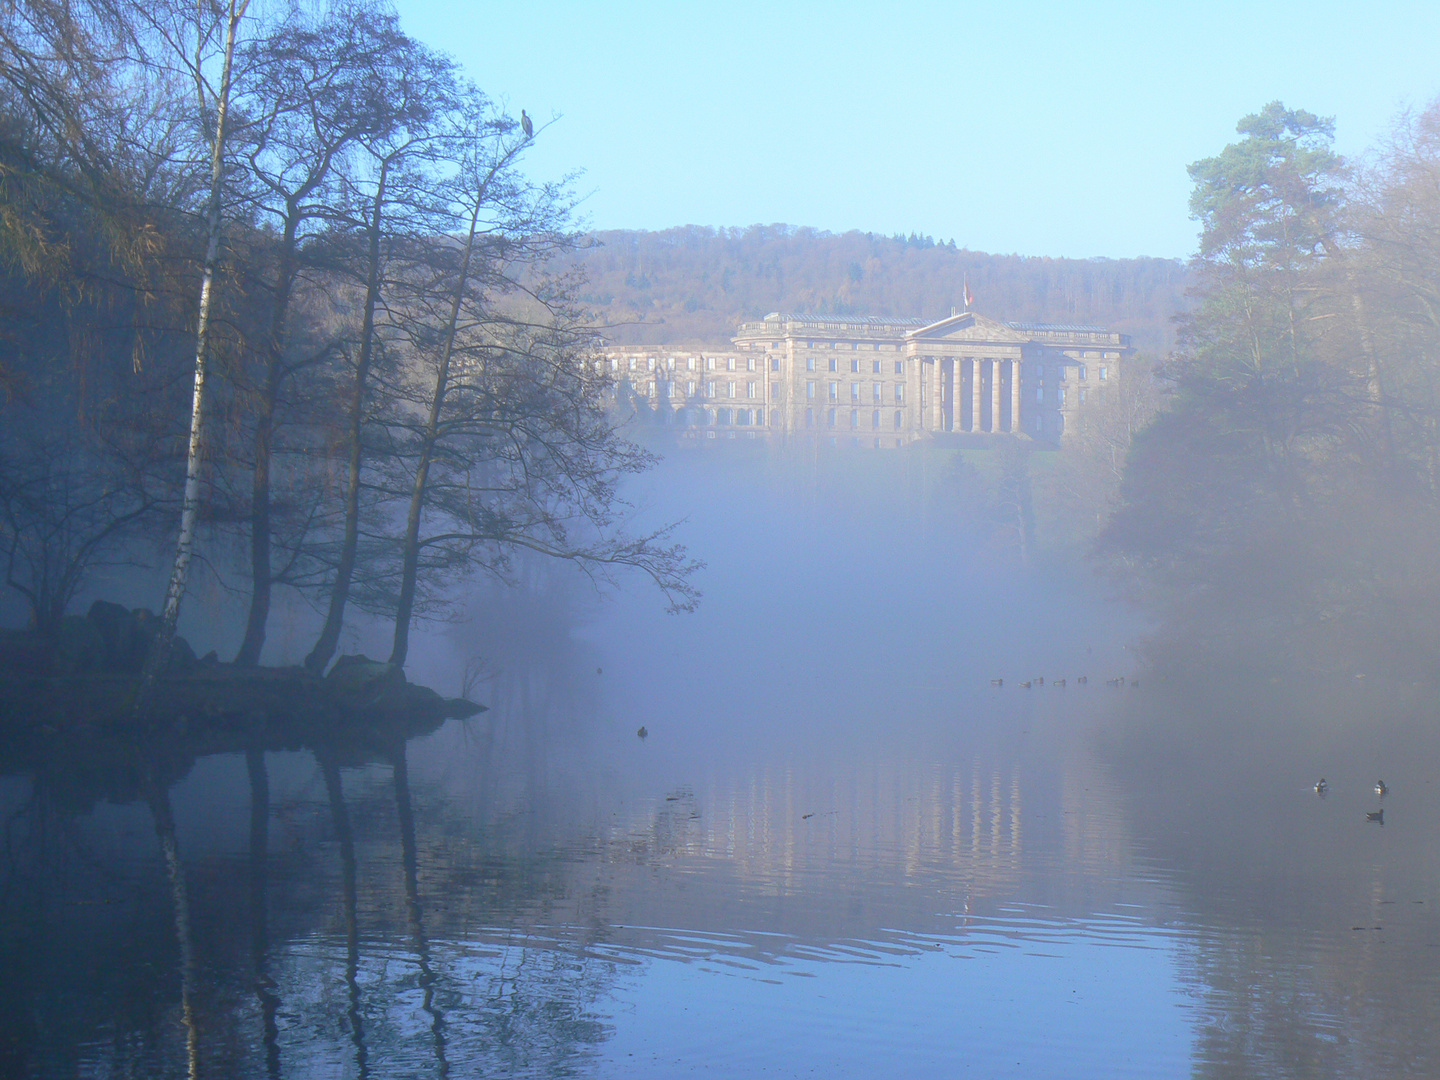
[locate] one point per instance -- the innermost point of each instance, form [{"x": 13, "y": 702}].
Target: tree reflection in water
[
  {"x": 259, "y": 872},
  {"x": 248, "y": 996}
]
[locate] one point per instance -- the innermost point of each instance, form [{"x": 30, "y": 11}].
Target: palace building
[{"x": 867, "y": 381}]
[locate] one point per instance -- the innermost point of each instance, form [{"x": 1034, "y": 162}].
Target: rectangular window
[
  {"x": 729, "y": 363},
  {"x": 831, "y": 417},
  {"x": 834, "y": 390},
  {"x": 730, "y": 389},
  {"x": 650, "y": 390},
  {"x": 614, "y": 364},
  {"x": 854, "y": 391},
  {"x": 750, "y": 389},
  {"x": 875, "y": 419},
  {"x": 710, "y": 388},
  {"x": 632, "y": 363},
  {"x": 690, "y": 388},
  {"x": 810, "y": 388},
  {"x": 854, "y": 419},
  {"x": 854, "y": 367},
  {"x": 1039, "y": 371},
  {"x": 809, "y": 363},
  {"x": 874, "y": 367},
  {"x": 899, "y": 367},
  {"x": 1082, "y": 372},
  {"x": 1082, "y": 395},
  {"x": 650, "y": 364},
  {"x": 774, "y": 363},
  {"x": 749, "y": 363},
  {"x": 760, "y": 417},
  {"x": 709, "y": 363},
  {"x": 1039, "y": 395},
  {"x": 899, "y": 393},
  {"x": 774, "y": 391},
  {"x": 1104, "y": 373},
  {"x": 898, "y": 414},
  {"x": 689, "y": 363},
  {"x": 1062, "y": 395},
  {"x": 834, "y": 363},
  {"x": 877, "y": 392},
  {"x": 809, "y": 417}
]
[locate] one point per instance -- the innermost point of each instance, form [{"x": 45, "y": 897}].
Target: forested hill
[{"x": 690, "y": 286}]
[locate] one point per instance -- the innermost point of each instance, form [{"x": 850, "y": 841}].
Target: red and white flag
[{"x": 969, "y": 296}]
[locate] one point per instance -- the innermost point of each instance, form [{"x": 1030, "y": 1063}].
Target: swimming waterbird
[
  {"x": 1377, "y": 816},
  {"x": 642, "y": 732},
  {"x": 1321, "y": 787},
  {"x": 1381, "y": 789}
]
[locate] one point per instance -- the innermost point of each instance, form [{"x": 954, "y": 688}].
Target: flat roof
[
  {"x": 852, "y": 320},
  {"x": 1068, "y": 328}
]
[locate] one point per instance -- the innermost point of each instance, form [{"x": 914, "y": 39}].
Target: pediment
[{"x": 968, "y": 326}]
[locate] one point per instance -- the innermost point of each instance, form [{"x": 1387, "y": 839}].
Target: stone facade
[{"x": 876, "y": 382}]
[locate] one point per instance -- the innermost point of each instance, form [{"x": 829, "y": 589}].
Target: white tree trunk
[{"x": 190, "y": 505}]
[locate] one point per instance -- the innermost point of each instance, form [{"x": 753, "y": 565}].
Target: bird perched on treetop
[{"x": 525, "y": 124}]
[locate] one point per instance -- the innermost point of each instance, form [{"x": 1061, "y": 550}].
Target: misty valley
[{"x": 441, "y": 636}]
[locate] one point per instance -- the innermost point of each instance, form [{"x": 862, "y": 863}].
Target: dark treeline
[
  {"x": 1285, "y": 502},
  {"x": 279, "y": 277},
  {"x": 690, "y": 286}
]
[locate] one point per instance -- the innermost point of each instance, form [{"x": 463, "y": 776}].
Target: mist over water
[{"x": 839, "y": 849}]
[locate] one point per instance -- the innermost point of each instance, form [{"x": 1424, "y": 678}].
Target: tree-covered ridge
[{"x": 690, "y": 286}]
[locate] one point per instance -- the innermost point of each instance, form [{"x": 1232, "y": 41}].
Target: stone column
[
  {"x": 977, "y": 390},
  {"x": 1015, "y": 369},
  {"x": 997, "y": 384},
  {"x": 937, "y": 386}
]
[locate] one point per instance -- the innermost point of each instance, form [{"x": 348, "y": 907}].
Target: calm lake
[{"x": 838, "y": 851}]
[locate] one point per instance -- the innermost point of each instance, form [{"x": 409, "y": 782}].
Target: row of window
[
  {"x": 875, "y": 418},
  {"x": 1059, "y": 395},
  {"x": 877, "y": 391},
  {"x": 753, "y": 389},
  {"x": 883, "y": 346},
  {"x": 876, "y": 366},
  {"x": 711, "y": 363},
  {"x": 1080, "y": 369},
  {"x": 667, "y": 389}
]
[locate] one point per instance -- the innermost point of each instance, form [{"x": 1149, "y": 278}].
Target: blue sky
[{"x": 1038, "y": 128}]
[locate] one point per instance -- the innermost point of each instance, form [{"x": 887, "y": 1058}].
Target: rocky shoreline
[{"x": 84, "y": 678}]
